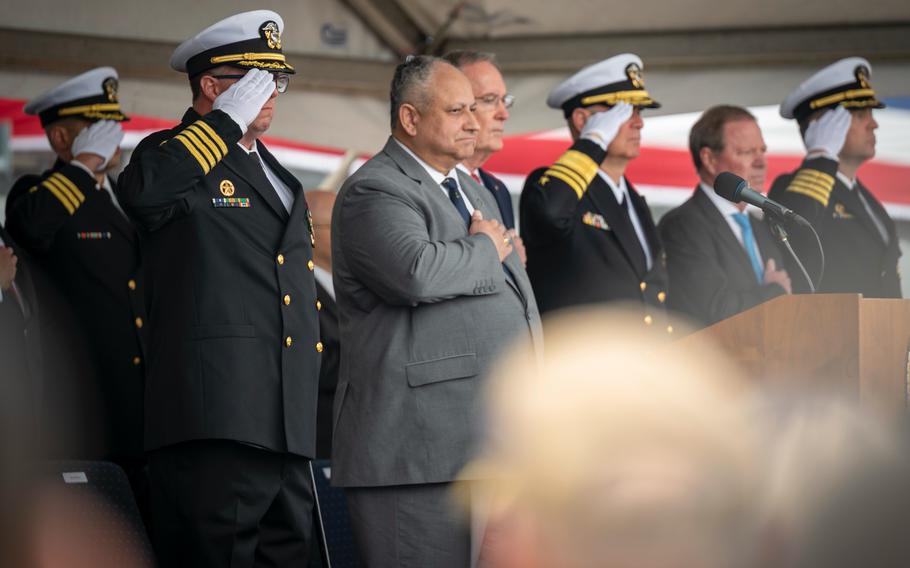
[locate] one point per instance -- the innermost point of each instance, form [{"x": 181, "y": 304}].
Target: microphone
[{"x": 734, "y": 188}]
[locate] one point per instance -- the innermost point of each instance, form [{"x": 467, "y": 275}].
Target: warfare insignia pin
[
  {"x": 840, "y": 212},
  {"x": 633, "y": 72},
  {"x": 110, "y": 87},
  {"x": 227, "y": 187},
  {"x": 271, "y": 34},
  {"x": 595, "y": 220}
]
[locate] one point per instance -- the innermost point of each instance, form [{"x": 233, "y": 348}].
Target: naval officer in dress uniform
[
  {"x": 834, "y": 110},
  {"x": 70, "y": 220},
  {"x": 234, "y": 345},
  {"x": 589, "y": 235}
]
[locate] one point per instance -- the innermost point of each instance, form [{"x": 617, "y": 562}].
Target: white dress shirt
[
  {"x": 324, "y": 277},
  {"x": 284, "y": 192},
  {"x": 439, "y": 178},
  {"x": 621, "y": 191},
  {"x": 727, "y": 210}
]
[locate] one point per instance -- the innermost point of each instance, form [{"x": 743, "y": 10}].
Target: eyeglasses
[
  {"x": 492, "y": 100},
  {"x": 282, "y": 80}
]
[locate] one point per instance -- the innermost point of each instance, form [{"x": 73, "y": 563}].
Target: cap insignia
[
  {"x": 633, "y": 72},
  {"x": 110, "y": 89},
  {"x": 862, "y": 76},
  {"x": 271, "y": 34}
]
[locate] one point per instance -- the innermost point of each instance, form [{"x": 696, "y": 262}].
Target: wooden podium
[{"x": 841, "y": 343}]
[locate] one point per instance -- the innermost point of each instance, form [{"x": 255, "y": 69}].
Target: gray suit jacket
[{"x": 424, "y": 309}]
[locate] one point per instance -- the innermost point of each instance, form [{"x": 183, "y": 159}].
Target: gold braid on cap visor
[
  {"x": 637, "y": 97},
  {"x": 845, "y": 96},
  {"x": 262, "y": 60}
]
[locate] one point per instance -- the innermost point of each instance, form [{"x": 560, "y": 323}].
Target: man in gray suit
[{"x": 429, "y": 292}]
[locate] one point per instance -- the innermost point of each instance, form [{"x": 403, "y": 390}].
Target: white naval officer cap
[
  {"x": 844, "y": 83},
  {"x": 90, "y": 96},
  {"x": 251, "y": 40},
  {"x": 613, "y": 80}
]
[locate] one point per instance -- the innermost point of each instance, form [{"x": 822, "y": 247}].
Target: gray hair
[
  {"x": 409, "y": 84},
  {"x": 464, "y": 57}
]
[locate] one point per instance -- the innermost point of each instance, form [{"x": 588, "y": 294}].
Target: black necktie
[{"x": 451, "y": 187}]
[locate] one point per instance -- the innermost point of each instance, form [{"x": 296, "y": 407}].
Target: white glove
[
  {"x": 827, "y": 133},
  {"x": 243, "y": 100},
  {"x": 601, "y": 127},
  {"x": 102, "y": 139}
]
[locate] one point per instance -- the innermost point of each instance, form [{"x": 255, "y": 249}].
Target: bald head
[{"x": 321, "y": 203}]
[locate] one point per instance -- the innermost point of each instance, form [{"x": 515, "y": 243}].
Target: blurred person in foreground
[
  {"x": 44, "y": 522},
  {"x": 493, "y": 104},
  {"x": 834, "y": 110},
  {"x": 835, "y": 492},
  {"x": 599, "y": 461},
  {"x": 722, "y": 260},
  {"x": 429, "y": 292}
]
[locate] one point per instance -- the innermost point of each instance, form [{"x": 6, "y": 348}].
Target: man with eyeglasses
[
  {"x": 234, "y": 339},
  {"x": 493, "y": 104}
]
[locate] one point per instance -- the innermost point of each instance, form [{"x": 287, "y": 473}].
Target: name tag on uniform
[
  {"x": 93, "y": 235},
  {"x": 595, "y": 220},
  {"x": 230, "y": 202}
]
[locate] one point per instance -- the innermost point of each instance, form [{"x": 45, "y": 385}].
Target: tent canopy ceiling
[{"x": 697, "y": 53}]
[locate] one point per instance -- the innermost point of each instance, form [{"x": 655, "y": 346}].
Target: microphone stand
[{"x": 777, "y": 228}]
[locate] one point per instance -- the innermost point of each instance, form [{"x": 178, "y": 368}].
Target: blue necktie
[
  {"x": 451, "y": 187},
  {"x": 749, "y": 243}
]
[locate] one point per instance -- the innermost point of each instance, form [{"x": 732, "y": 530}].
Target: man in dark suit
[
  {"x": 321, "y": 203},
  {"x": 590, "y": 236},
  {"x": 430, "y": 291},
  {"x": 234, "y": 340},
  {"x": 493, "y": 104},
  {"x": 861, "y": 247},
  {"x": 69, "y": 220},
  {"x": 721, "y": 259}
]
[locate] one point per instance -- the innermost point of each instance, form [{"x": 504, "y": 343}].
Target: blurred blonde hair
[{"x": 622, "y": 449}]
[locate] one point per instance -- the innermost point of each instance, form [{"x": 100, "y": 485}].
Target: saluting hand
[
  {"x": 493, "y": 229},
  {"x": 99, "y": 140},
  {"x": 827, "y": 133},
  {"x": 243, "y": 100},
  {"x": 601, "y": 127}
]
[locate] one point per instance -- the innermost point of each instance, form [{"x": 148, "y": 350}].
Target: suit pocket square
[{"x": 595, "y": 220}]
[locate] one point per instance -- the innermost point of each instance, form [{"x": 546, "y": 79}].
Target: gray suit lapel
[
  {"x": 480, "y": 198},
  {"x": 415, "y": 171}
]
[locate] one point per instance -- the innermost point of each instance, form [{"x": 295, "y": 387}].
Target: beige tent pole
[{"x": 333, "y": 181}]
